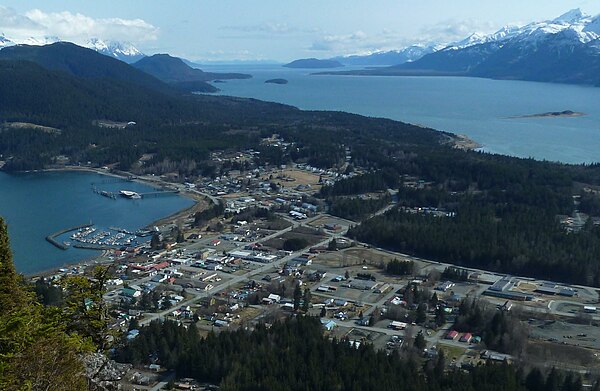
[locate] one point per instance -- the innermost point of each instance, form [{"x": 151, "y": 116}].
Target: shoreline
[
  {"x": 462, "y": 141},
  {"x": 198, "y": 201}
]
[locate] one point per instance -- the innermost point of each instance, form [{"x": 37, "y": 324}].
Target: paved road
[{"x": 243, "y": 277}]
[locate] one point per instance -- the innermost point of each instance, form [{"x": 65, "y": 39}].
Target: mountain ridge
[
  {"x": 175, "y": 71},
  {"x": 564, "y": 50},
  {"x": 82, "y": 62}
]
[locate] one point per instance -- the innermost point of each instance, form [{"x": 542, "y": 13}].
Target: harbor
[
  {"x": 88, "y": 237},
  {"x": 51, "y": 209}
]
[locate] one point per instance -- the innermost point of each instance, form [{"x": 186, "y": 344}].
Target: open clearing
[{"x": 299, "y": 177}]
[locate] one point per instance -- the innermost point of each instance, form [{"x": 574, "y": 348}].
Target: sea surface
[
  {"x": 478, "y": 108},
  {"x": 35, "y": 205}
]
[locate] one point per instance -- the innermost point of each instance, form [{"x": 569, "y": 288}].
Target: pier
[
  {"x": 51, "y": 238},
  {"x": 104, "y": 193}
]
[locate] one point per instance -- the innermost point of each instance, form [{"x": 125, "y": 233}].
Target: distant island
[
  {"x": 277, "y": 81},
  {"x": 551, "y": 114},
  {"x": 314, "y": 63}
]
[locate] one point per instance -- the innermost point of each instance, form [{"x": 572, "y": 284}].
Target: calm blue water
[
  {"x": 475, "y": 107},
  {"x": 37, "y": 204}
]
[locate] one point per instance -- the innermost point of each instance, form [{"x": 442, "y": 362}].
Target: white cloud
[
  {"x": 335, "y": 42},
  {"x": 388, "y": 39},
  {"x": 73, "y": 27},
  {"x": 454, "y": 30}
]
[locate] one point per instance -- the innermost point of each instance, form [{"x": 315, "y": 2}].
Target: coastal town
[{"x": 260, "y": 245}]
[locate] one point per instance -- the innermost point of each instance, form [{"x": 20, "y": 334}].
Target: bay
[
  {"x": 478, "y": 108},
  {"x": 35, "y": 205}
]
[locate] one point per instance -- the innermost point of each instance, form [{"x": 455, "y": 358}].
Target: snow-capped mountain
[
  {"x": 37, "y": 41},
  {"x": 573, "y": 23},
  {"x": 123, "y": 51},
  {"x": 564, "y": 49},
  {"x": 391, "y": 57},
  {"x": 4, "y": 42}
]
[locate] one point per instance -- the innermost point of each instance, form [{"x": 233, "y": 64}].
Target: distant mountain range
[
  {"x": 123, "y": 51},
  {"x": 391, "y": 57},
  {"x": 565, "y": 50}
]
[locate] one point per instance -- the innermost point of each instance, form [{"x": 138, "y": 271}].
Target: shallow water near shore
[{"x": 35, "y": 205}]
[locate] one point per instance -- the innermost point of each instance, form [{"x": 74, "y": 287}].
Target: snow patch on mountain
[
  {"x": 124, "y": 51},
  {"x": 571, "y": 16},
  {"x": 4, "y": 42},
  {"x": 574, "y": 25}
]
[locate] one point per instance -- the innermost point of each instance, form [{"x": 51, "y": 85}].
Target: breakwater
[{"x": 51, "y": 238}]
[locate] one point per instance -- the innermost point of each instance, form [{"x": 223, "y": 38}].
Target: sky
[{"x": 272, "y": 30}]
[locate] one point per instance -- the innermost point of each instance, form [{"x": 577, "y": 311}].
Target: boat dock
[
  {"x": 51, "y": 238},
  {"x": 134, "y": 195},
  {"x": 104, "y": 193}
]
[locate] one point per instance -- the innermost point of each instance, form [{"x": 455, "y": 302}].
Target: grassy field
[
  {"x": 451, "y": 352},
  {"x": 540, "y": 351},
  {"x": 297, "y": 177}
]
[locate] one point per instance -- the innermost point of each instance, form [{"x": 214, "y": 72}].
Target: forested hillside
[
  {"x": 81, "y": 62},
  {"x": 294, "y": 355},
  {"x": 185, "y": 127},
  {"x": 37, "y": 349}
]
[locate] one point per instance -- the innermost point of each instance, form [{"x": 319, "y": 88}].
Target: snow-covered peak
[
  {"x": 124, "y": 51},
  {"x": 573, "y": 25},
  {"x": 471, "y": 40},
  {"x": 123, "y": 48},
  {"x": 37, "y": 41},
  {"x": 4, "y": 42},
  {"x": 571, "y": 16}
]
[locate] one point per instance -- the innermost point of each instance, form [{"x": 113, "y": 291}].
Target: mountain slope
[
  {"x": 4, "y": 42},
  {"x": 174, "y": 71},
  {"x": 81, "y": 62}
]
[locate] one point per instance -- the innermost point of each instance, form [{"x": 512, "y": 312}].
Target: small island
[
  {"x": 314, "y": 63},
  {"x": 276, "y": 81},
  {"x": 551, "y": 114}
]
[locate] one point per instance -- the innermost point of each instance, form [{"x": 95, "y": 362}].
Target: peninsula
[
  {"x": 314, "y": 63},
  {"x": 551, "y": 114}
]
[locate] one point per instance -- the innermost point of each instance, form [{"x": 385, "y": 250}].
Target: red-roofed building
[
  {"x": 452, "y": 334},
  {"x": 160, "y": 266},
  {"x": 139, "y": 267},
  {"x": 466, "y": 337}
]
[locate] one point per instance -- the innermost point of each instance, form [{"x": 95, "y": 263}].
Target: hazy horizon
[{"x": 271, "y": 30}]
